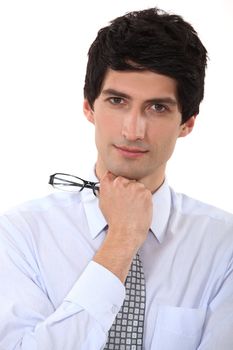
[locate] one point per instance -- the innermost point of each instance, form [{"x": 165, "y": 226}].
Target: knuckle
[{"x": 120, "y": 181}]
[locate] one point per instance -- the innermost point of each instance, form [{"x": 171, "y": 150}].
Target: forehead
[{"x": 140, "y": 84}]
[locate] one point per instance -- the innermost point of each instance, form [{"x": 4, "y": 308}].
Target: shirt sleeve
[
  {"x": 29, "y": 320},
  {"x": 218, "y": 330}
]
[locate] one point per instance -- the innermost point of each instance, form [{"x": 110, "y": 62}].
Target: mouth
[{"x": 131, "y": 152}]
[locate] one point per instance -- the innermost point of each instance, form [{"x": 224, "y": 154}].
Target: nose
[{"x": 133, "y": 127}]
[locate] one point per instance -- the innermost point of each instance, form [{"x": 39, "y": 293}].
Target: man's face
[{"x": 137, "y": 122}]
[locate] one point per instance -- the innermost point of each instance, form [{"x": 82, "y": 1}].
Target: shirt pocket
[{"x": 178, "y": 328}]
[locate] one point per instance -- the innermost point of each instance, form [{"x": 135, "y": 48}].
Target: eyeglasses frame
[{"x": 86, "y": 183}]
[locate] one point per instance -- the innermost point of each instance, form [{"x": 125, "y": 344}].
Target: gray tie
[{"x": 126, "y": 332}]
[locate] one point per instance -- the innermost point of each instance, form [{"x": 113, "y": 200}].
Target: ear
[
  {"x": 187, "y": 127},
  {"x": 88, "y": 111}
]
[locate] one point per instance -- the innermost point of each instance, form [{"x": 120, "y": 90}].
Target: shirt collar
[{"x": 161, "y": 211}]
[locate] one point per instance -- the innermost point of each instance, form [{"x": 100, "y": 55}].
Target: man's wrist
[{"x": 116, "y": 254}]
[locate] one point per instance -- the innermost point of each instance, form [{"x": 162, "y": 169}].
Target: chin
[{"x": 127, "y": 173}]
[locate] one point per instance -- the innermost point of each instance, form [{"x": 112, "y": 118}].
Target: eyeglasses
[{"x": 66, "y": 182}]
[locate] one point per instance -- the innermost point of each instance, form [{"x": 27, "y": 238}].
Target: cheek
[
  {"x": 170, "y": 143},
  {"x": 164, "y": 137},
  {"x": 106, "y": 127},
  {"x": 104, "y": 134}
]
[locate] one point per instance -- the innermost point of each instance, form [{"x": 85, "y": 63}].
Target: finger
[
  {"x": 109, "y": 176},
  {"x": 121, "y": 181}
]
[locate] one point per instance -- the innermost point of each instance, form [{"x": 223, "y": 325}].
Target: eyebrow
[{"x": 167, "y": 100}]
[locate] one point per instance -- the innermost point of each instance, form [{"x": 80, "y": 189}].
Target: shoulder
[
  {"x": 38, "y": 214},
  {"x": 49, "y": 202},
  {"x": 204, "y": 226},
  {"x": 208, "y": 224},
  {"x": 188, "y": 206}
]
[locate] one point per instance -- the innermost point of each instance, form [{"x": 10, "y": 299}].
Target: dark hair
[{"x": 152, "y": 40}]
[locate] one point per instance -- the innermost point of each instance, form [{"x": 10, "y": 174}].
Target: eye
[
  {"x": 159, "y": 107},
  {"x": 116, "y": 100}
]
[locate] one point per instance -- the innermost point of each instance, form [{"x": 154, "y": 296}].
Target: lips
[
  {"x": 131, "y": 149},
  {"x": 131, "y": 152}
]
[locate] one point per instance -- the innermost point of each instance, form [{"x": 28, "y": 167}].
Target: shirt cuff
[{"x": 100, "y": 293}]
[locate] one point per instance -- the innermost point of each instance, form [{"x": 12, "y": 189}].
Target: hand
[{"x": 127, "y": 207}]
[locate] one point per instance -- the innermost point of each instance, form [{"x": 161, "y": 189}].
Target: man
[{"x": 137, "y": 266}]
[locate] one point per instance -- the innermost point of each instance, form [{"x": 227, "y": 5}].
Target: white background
[{"x": 43, "y": 52}]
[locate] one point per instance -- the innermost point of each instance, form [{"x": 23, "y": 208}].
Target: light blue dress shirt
[{"x": 54, "y": 297}]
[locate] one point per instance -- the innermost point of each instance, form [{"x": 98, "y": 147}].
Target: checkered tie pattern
[{"x": 126, "y": 332}]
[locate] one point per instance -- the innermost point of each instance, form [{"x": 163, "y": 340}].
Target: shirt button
[{"x": 114, "y": 309}]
